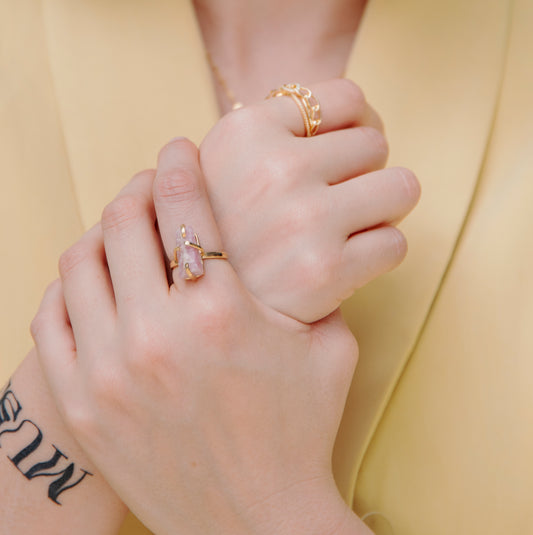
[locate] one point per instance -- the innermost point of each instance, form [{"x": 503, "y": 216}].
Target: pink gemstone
[{"x": 188, "y": 255}]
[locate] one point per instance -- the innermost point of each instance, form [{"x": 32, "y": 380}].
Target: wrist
[
  {"x": 310, "y": 509},
  {"x": 46, "y": 480}
]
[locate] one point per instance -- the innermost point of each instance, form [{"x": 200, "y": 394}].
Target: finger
[
  {"x": 86, "y": 284},
  {"x": 132, "y": 245},
  {"x": 369, "y": 254},
  {"x": 342, "y": 105},
  {"x": 382, "y": 197},
  {"x": 180, "y": 198},
  {"x": 344, "y": 154},
  {"x": 54, "y": 339}
]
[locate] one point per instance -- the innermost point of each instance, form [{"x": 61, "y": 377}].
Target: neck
[{"x": 260, "y": 45}]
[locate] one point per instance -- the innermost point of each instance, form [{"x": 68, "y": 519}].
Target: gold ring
[
  {"x": 307, "y": 104},
  {"x": 189, "y": 255}
]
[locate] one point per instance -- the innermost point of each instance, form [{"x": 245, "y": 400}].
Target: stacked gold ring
[{"x": 307, "y": 104}]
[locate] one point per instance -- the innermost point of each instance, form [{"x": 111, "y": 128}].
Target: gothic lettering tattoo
[{"x": 31, "y": 461}]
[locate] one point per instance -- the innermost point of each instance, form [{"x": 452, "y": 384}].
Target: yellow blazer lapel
[
  {"x": 129, "y": 77},
  {"x": 432, "y": 70},
  {"x": 35, "y": 178}
]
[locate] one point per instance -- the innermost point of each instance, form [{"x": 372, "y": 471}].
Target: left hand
[
  {"x": 319, "y": 210},
  {"x": 207, "y": 411}
]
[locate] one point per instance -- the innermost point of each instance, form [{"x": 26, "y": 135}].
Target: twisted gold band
[{"x": 307, "y": 104}]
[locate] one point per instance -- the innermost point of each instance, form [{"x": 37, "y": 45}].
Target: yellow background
[{"x": 437, "y": 433}]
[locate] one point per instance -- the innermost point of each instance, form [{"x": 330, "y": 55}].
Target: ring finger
[
  {"x": 180, "y": 199},
  {"x": 384, "y": 196}
]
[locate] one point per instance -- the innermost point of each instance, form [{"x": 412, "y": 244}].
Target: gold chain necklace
[{"x": 235, "y": 104}]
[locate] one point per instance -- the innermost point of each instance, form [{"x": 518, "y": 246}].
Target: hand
[
  {"x": 307, "y": 220},
  {"x": 207, "y": 411}
]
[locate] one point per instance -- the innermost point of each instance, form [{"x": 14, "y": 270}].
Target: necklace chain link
[{"x": 235, "y": 104}]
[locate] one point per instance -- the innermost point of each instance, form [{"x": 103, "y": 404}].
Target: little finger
[{"x": 368, "y": 255}]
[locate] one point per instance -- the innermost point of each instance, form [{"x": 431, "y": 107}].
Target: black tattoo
[{"x": 55, "y": 465}]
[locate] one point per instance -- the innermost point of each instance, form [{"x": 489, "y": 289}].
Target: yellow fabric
[{"x": 437, "y": 431}]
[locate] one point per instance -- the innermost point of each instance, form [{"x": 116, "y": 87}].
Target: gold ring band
[
  {"x": 307, "y": 104},
  {"x": 206, "y": 255},
  {"x": 214, "y": 255}
]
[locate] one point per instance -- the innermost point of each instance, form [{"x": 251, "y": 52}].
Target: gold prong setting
[{"x": 188, "y": 255}]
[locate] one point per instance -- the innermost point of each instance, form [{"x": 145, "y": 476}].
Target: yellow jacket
[{"x": 438, "y": 430}]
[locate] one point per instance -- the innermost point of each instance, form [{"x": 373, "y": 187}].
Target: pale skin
[
  {"x": 260, "y": 45},
  {"x": 397, "y": 191}
]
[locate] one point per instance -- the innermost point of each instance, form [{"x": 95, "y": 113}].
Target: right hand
[
  {"x": 207, "y": 411},
  {"x": 319, "y": 212}
]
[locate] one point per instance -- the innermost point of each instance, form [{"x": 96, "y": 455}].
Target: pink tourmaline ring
[{"x": 189, "y": 255}]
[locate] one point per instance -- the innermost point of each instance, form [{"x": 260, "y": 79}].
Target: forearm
[{"x": 47, "y": 483}]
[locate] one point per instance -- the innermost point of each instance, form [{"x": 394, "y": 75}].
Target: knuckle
[
  {"x": 317, "y": 270},
  {"x": 180, "y": 185},
  {"x": 149, "y": 352},
  {"x": 377, "y": 141},
  {"x": 271, "y": 171},
  {"x": 281, "y": 170},
  {"x": 217, "y": 318},
  {"x": 411, "y": 183},
  {"x": 121, "y": 212},
  {"x": 353, "y": 92},
  {"x": 71, "y": 259},
  {"x": 304, "y": 216},
  {"x": 289, "y": 165}
]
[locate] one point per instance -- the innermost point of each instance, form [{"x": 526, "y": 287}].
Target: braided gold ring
[{"x": 307, "y": 104}]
